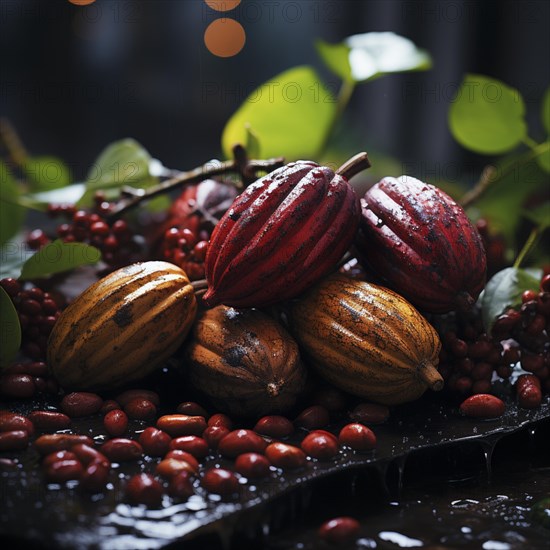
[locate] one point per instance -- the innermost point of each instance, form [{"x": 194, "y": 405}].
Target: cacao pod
[
  {"x": 244, "y": 361},
  {"x": 283, "y": 233},
  {"x": 422, "y": 244},
  {"x": 122, "y": 327},
  {"x": 367, "y": 340}
]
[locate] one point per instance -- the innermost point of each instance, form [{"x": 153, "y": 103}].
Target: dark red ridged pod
[
  {"x": 282, "y": 234},
  {"x": 422, "y": 244}
]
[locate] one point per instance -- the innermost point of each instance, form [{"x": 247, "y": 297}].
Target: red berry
[
  {"x": 528, "y": 296},
  {"x": 545, "y": 283},
  {"x": 220, "y": 481},
  {"x": 144, "y": 489},
  {"x": 339, "y": 531}
]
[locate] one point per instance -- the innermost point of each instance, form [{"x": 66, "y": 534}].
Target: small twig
[
  {"x": 208, "y": 170},
  {"x": 243, "y": 164},
  {"x": 485, "y": 181},
  {"x": 128, "y": 191}
]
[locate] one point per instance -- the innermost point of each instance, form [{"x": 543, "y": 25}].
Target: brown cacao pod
[
  {"x": 122, "y": 327},
  {"x": 367, "y": 340},
  {"x": 244, "y": 361},
  {"x": 422, "y": 244},
  {"x": 283, "y": 233}
]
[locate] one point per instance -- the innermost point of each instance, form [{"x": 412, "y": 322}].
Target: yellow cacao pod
[
  {"x": 122, "y": 327},
  {"x": 244, "y": 361},
  {"x": 367, "y": 340}
]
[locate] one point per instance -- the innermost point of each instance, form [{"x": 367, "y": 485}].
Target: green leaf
[
  {"x": 12, "y": 214},
  {"x": 252, "y": 143},
  {"x": 290, "y": 114},
  {"x": 57, "y": 257},
  {"x": 504, "y": 291},
  {"x": 122, "y": 163},
  {"x": 160, "y": 203},
  {"x": 503, "y": 202},
  {"x": 10, "y": 330},
  {"x": 44, "y": 173},
  {"x": 539, "y": 215},
  {"x": 13, "y": 255},
  {"x": 67, "y": 195},
  {"x": 543, "y": 158},
  {"x": 336, "y": 58},
  {"x": 487, "y": 116},
  {"x": 545, "y": 110},
  {"x": 374, "y": 54}
]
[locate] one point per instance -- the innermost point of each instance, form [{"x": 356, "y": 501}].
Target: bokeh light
[
  {"x": 224, "y": 37},
  {"x": 81, "y": 2},
  {"x": 223, "y": 5}
]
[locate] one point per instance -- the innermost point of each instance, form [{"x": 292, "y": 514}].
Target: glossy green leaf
[
  {"x": 252, "y": 143},
  {"x": 57, "y": 257},
  {"x": 374, "y": 54},
  {"x": 12, "y": 214},
  {"x": 503, "y": 202},
  {"x": 545, "y": 110},
  {"x": 10, "y": 330},
  {"x": 504, "y": 291},
  {"x": 122, "y": 163},
  {"x": 44, "y": 173},
  {"x": 336, "y": 58},
  {"x": 290, "y": 114},
  {"x": 487, "y": 116},
  {"x": 67, "y": 195}
]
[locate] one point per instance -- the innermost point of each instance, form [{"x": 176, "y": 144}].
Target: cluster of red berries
[
  {"x": 471, "y": 360},
  {"x": 114, "y": 239},
  {"x": 37, "y": 311},
  {"x": 186, "y": 249}
]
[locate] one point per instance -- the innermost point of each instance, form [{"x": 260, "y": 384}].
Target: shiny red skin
[
  {"x": 422, "y": 244},
  {"x": 282, "y": 234}
]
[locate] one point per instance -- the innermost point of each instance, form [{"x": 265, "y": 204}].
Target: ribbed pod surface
[
  {"x": 122, "y": 327},
  {"x": 282, "y": 234},
  {"x": 422, "y": 244},
  {"x": 367, "y": 340},
  {"x": 244, "y": 361}
]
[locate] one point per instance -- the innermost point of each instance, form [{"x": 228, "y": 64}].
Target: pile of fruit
[{"x": 249, "y": 298}]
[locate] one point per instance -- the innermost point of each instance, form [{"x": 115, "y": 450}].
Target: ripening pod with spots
[
  {"x": 282, "y": 234},
  {"x": 421, "y": 244},
  {"x": 122, "y": 327},
  {"x": 367, "y": 340},
  {"x": 244, "y": 361}
]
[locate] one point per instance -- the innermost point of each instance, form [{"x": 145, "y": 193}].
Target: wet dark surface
[{"x": 428, "y": 484}]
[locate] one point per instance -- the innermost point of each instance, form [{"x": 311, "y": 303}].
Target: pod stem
[
  {"x": 200, "y": 286},
  {"x": 430, "y": 375},
  {"x": 354, "y": 165},
  {"x": 273, "y": 389}
]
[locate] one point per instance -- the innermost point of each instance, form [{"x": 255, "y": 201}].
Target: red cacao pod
[
  {"x": 282, "y": 234},
  {"x": 422, "y": 244}
]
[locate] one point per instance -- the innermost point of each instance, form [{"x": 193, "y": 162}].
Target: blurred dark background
[{"x": 76, "y": 78}]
